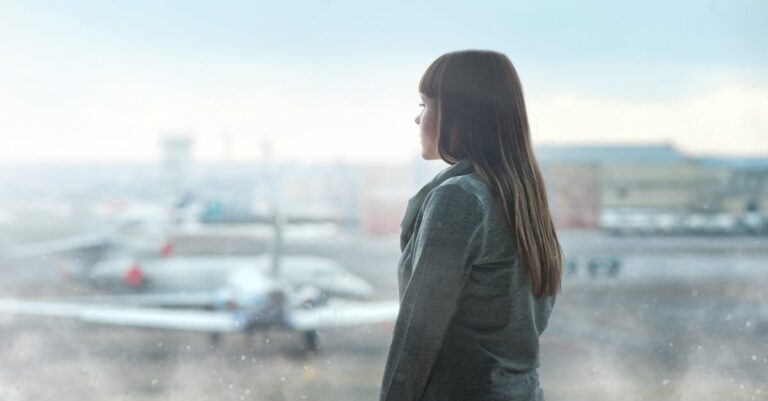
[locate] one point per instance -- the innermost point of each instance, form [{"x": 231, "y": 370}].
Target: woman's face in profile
[{"x": 427, "y": 121}]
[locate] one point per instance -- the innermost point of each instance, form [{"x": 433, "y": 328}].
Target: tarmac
[{"x": 696, "y": 335}]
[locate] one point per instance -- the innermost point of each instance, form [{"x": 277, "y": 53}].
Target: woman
[{"x": 481, "y": 263}]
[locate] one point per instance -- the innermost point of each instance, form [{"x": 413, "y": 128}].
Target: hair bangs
[{"x": 432, "y": 78}]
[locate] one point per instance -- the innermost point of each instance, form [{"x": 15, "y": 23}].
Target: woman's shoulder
[{"x": 470, "y": 184}]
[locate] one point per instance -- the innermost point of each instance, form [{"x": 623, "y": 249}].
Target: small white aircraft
[
  {"x": 139, "y": 234},
  {"x": 218, "y": 295}
]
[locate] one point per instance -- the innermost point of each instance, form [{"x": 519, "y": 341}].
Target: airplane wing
[
  {"x": 158, "y": 318},
  {"x": 340, "y": 314},
  {"x": 332, "y": 315},
  {"x": 202, "y": 299}
]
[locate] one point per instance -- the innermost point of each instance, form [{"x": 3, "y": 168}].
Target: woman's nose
[{"x": 417, "y": 119}]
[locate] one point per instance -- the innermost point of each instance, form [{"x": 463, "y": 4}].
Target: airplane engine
[{"x": 254, "y": 310}]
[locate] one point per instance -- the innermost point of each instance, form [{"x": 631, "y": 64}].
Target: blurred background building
[{"x": 639, "y": 189}]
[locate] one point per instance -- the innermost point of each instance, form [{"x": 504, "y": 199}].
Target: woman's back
[{"x": 483, "y": 322}]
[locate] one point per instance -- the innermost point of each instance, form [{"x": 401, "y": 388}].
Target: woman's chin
[{"x": 427, "y": 156}]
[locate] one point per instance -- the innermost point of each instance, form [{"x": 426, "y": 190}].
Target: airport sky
[{"x": 337, "y": 80}]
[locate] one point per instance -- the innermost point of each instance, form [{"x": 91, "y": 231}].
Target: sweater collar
[{"x": 461, "y": 167}]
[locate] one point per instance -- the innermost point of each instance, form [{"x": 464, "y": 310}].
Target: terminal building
[{"x": 654, "y": 189}]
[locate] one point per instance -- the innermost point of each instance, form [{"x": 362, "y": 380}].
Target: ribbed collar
[{"x": 461, "y": 167}]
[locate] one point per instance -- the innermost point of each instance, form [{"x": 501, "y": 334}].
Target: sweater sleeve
[{"x": 448, "y": 242}]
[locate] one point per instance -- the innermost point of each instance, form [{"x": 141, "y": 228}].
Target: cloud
[
  {"x": 359, "y": 110},
  {"x": 360, "y": 118},
  {"x": 731, "y": 119}
]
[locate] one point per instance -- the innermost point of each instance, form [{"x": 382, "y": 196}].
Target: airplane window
[{"x": 203, "y": 200}]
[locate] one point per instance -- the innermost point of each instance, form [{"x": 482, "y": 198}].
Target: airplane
[
  {"x": 221, "y": 294},
  {"x": 84, "y": 251},
  {"x": 130, "y": 230}
]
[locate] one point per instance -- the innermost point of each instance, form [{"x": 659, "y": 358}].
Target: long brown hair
[{"x": 482, "y": 118}]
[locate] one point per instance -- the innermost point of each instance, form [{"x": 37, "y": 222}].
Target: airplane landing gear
[
  {"x": 214, "y": 340},
  {"x": 311, "y": 341}
]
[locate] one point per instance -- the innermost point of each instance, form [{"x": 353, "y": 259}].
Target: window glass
[{"x": 186, "y": 187}]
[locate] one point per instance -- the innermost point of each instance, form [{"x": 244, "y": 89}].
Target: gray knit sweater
[{"x": 469, "y": 326}]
